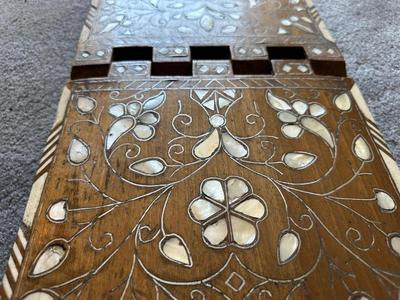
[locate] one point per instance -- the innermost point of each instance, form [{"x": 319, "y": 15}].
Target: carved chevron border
[
  {"x": 9, "y": 282},
  {"x": 87, "y": 27},
  {"x": 321, "y": 24}
]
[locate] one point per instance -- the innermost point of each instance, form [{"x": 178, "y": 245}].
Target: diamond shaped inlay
[{"x": 235, "y": 282}]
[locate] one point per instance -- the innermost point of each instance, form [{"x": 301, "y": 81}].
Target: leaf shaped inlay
[
  {"x": 78, "y": 152},
  {"x": 154, "y": 102},
  {"x": 149, "y": 167},
  {"x": 50, "y": 258},
  {"x": 299, "y": 160},
  {"x": 229, "y": 29},
  {"x": 233, "y": 146},
  {"x": 277, "y": 103},
  {"x": 362, "y": 149},
  {"x": 86, "y": 104},
  {"x": 208, "y": 146},
  {"x": 174, "y": 248},
  {"x": 118, "y": 129},
  {"x": 110, "y": 27},
  {"x": 288, "y": 247},
  {"x": 317, "y": 128},
  {"x": 385, "y": 201}
]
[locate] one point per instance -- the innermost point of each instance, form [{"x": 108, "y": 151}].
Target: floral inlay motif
[
  {"x": 278, "y": 199},
  {"x": 228, "y": 212},
  {"x": 291, "y": 114},
  {"x": 144, "y": 115}
]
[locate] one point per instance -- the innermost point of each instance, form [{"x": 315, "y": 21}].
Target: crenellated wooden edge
[
  {"x": 102, "y": 63},
  {"x": 12, "y": 271}
]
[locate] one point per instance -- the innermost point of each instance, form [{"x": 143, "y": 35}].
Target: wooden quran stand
[{"x": 210, "y": 150}]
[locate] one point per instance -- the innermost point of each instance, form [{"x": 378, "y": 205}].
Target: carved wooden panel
[
  {"x": 271, "y": 184},
  {"x": 215, "y": 188}
]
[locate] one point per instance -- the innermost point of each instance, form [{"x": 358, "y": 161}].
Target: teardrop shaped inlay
[
  {"x": 216, "y": 233},
  {"x": 203, "y": 209},
  {"x": 299, "y": 160},
  {"x": 149, "y": 167},
  {"x": 244, "y": 233},
  {"x": 394, "y": 242},
  {"x": 385, "y": 201},
  {"x": 78, "y": 152},
  {"x": 57, "y": 212},
  {"x": 86, "y": 104},
  {"x": 288, "y": 247},
  {"x": 343, "y": 102},
  {"x": 50, "y": 258},
  {"x": 362, "y": 149},
  {"x": 154, "y": 102},
  {"x": 174, "y": 248}
]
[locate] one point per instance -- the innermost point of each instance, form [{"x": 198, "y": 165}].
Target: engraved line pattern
[{"x": 224, "y": 207}]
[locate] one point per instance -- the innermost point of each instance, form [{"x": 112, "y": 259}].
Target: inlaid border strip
[
  {"x": 377, "y": 136},
  {"x": 11, "y": 274},
  {"x": 87, "y": 27},
  {"x": 184, "y": 83},
  {"x": 320, "y": 23}
]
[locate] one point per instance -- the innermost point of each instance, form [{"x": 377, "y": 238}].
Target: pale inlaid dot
[
  {"x": 286, "y": 68},
  {"x": 121, "y": 69},
  {"x": 302, "y": 68},
  {"x": 217, "y": 120},
  {"x": 286, "y": 22}
]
